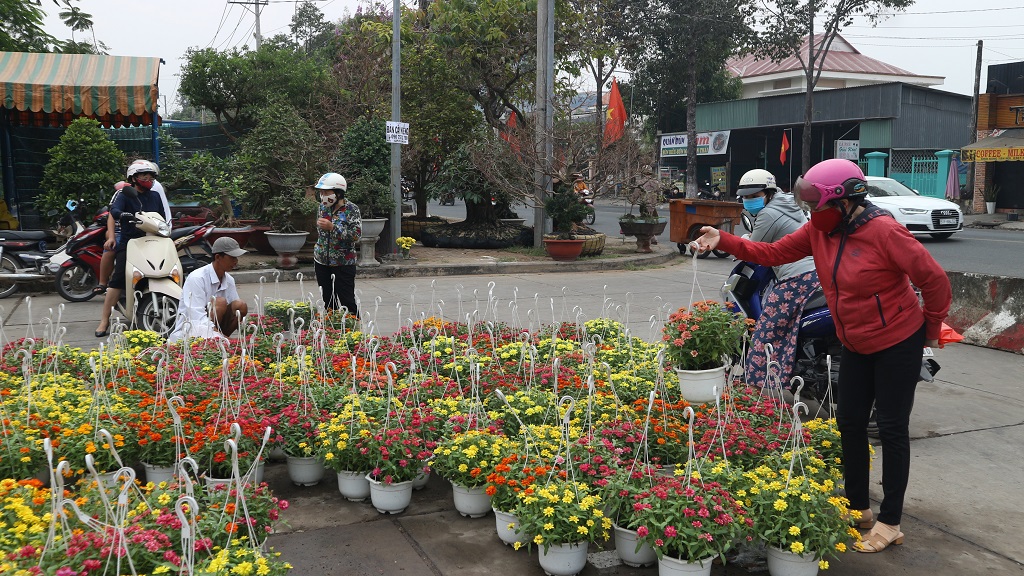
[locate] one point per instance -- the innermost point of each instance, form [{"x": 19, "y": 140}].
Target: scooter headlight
[{"x": 163, "y": 229}]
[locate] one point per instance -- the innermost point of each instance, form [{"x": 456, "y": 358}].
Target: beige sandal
[
  {"x": 865, "y": 522},
  {"x": 880, "y": 537}
]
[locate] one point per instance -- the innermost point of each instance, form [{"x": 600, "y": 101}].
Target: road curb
[
  {"x": 988, "y": 310},
  {"x": 473, "y": 269}
]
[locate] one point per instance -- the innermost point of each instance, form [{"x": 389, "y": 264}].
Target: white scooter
[{"x": 153, "y": 276}]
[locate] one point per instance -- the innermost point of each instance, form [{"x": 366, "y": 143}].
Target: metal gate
[{"x": 924, "y": 174}]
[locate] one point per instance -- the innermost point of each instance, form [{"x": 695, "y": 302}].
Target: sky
[{"x": 932, "y": 37}]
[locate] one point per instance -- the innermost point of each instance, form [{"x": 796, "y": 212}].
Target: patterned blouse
[{"x": 339, "y": 247}]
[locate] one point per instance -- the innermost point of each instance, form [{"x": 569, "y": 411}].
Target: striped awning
[{"x": 46, "y": 88}]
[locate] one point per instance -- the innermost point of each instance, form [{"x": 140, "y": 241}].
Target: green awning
[{"x": 116, "y": 90}]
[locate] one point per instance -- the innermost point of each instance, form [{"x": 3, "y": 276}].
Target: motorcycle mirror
[
  {"x": 746, "y": 222},
  {"x": 71, "y": 205}
]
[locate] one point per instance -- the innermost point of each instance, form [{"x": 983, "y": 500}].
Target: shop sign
[
  {"x": 848, "y": 149},
  {"x": 708, "y": 143}
]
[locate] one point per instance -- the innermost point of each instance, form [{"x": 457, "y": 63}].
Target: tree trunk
[
  {"x": 481, "y": 212},
  {"x": 691, "y": 130}
]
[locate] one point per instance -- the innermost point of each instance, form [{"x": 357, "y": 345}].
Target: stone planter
[
  {"x": 287, "y": 245},
  {"x": 643, "y": 231},
  {"x": 371, "y": 229}
]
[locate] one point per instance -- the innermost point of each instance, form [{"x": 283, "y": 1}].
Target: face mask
[
  {"x": 144, "y": 184},
  {"x": 753, "y": 205},
  {"x": 329, "y": 199},
  {"x": 826, "y": 220}
]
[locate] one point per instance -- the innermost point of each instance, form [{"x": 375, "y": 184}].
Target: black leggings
[
  {"x": 340, "y": 290},
  {"x": 887, "y": 379}
]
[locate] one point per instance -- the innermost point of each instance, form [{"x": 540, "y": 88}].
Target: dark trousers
[
  {"x": 337, "y": 286},
  {"x": 888, "y": 380}
]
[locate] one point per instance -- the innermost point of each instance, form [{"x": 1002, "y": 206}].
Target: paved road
[{"x": 981, "y": 251}]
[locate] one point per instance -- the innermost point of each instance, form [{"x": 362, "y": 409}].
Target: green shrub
[{"x": 84, "y": 165}]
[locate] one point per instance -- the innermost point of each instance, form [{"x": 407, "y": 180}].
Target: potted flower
[
  {"x": 991, "y": 194},
  {"x": 340, "y": 451},
  {"x": 700, "y": 343},
  {"x": 513, "y": 474},
  {"x": 398, "y": 452},
  {"x": 298, "y": 428},
  {"x": 465, "y": 460},
  {"x": 405, "y": 244},
  {"x": 688, "y": 520},
  {"x": 801, "y": 520},
  {"x": 564, "y": 517},
  {"x": 624, "y": 487}
]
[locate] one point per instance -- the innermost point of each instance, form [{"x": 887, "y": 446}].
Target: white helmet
[
  {"x": 331, "y": 181},
  {"x": 756, "y": 180},
  {"x": 142, "y": 166}
]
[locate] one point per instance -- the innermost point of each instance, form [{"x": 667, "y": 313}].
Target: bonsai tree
[
  {"x": 84, "y": 165},
  {"x": 217, "y": 183},
  {"x": 365, "y": 161},
  {"x": 565, "y": 210},
  {"x": 373, "y": 198},
  {"x": 283, "y": 210}
]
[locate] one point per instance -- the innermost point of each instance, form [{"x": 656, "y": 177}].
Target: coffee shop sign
[{"x": 708, "y": 143}]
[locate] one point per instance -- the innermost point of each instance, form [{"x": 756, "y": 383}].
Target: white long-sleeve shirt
[{"x": 200, "y": 288}]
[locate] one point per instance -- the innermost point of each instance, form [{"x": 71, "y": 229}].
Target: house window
[
  {"x": 782, "y": 84},
  {"x": 831, "y": 83}
]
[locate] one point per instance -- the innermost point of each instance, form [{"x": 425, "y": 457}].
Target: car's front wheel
[{"x": 941, "y": 235}]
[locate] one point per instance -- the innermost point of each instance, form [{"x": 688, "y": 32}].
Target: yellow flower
[
  {"x": 823, "y": 564},
  {"x": 794, "y": 530},
  {"x": 549, "y": 526},
  {"x": 781, "y": 505},
  {"x": 840, "y": 547},
  {"x": 538, "y": 539},
  {"x": 796, "y": 547},
  {"x": 549, "y": 511}
]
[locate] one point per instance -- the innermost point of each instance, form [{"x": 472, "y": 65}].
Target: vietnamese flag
[
  {"x": 509, "y": 133},
  {"x": 615, "y": 115},
  {"x": 785, "y": 148}
]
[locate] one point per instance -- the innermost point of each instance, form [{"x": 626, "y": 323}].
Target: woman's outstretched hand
[{"x": 708, "y": 240}]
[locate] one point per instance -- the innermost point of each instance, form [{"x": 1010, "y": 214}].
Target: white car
[{"x": 920, "y": 214}]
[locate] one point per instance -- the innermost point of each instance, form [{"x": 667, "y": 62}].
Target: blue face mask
[{"x": 753, "y": 205}]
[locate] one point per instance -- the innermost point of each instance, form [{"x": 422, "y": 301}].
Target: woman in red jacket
[{"x": 866, "y": 262}]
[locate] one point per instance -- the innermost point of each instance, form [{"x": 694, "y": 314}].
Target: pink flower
[
  {"x": 670, "y": 531},
  {"x": 659, "y": 542},
  {"x": 642, "y": 531}
]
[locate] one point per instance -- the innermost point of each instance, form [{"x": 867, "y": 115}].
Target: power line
[
  {"x": 967, "y": 10},
  {"x": 223, "y": 18},
  {"x": 978, "y": 27},
  {"x": 1002, "y": 37}
]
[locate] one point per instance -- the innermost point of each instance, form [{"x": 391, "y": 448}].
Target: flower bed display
[{"x": 569, "y": 428}]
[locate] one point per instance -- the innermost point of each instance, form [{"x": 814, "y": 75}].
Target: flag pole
[{"x": 790, "y": 161}]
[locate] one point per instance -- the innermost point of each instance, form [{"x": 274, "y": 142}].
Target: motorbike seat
[
  {"x": 179, "y": 232},
  {"x": 26, "y": 235},
  {"x": 816, "y": 300}
]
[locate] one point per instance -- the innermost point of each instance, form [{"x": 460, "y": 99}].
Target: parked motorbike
[
  {"x": 25, "y": 254},
  {"x": 78, "y": 275},
  {"x": 587, "y": 199},
  {"x": 447, "y": 199},
  {"x": 709, "y": 192},
  {"x": 153, "y": 274}
]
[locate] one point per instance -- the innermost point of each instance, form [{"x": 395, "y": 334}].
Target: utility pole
[
  {"x": 974, "y": 116},
  {"x": 396, "y": 116},
  {"x": 543, "y": 117},
  {"x": 257, "y": 5}
]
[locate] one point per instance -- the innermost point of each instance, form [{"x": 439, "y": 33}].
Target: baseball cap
[{"x": 229, "y": 246}]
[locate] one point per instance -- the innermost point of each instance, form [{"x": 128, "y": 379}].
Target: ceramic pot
[
  {"x": 644, "y": 232},
  {"x": 625, "y": 546},
  {"x": 563, "y": 250},
  {"x": 371, "y": 229},
  {"x": 785, "y": 563},
  {"x": 305, "y": 471},
  {"x": 471, "y": 502},
  {"x": 669, "y": 566},
  {"x": 390, "y": 498},
  {"x": 563, "y": 559},
  {"x": 507, "y": 526},
  {"x": 697, "y": 386},
  {"x": 353, "y": 485}
]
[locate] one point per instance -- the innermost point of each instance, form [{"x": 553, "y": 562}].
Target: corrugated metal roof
[
  {"x": 836, "y": 60},
  {"x": 79, "y": 84}
]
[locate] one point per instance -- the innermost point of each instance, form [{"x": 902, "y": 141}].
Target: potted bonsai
[
  {"x": 283, "y": 237},
  {"x": 566, "y": 212},
  {"x": 646, "y": 224}
]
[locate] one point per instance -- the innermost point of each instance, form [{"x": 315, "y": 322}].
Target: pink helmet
[{"x": 830, "y": 180}]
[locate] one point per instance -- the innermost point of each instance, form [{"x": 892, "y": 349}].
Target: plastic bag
[{"x": 948, "y": 336}]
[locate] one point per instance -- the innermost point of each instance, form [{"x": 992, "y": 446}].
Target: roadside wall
[{"x": 988, "y": 310}]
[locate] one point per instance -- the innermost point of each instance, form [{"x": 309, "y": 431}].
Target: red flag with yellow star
[{"x": 615, "y": 115}]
